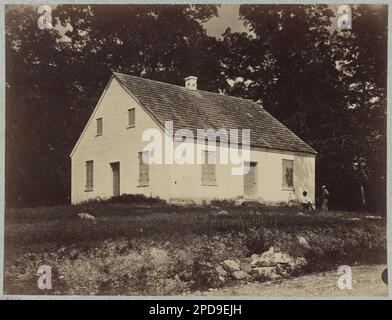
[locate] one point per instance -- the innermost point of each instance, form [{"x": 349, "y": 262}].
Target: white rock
[
  {"x": 221, "y": 213},
  {"x": 353, "y": 219},
  {"x": 373, "y": 217},
  {"x": 239, "y": 275},
  {"x": 230, "y": 265},
  {"x": 303, "y": 242},
  {"x": 239, "y": 202},
  {"x": 282, "y": 258},
  {"x": 221, "y": 272},
  {"x": 86, "y": 216},
  {"x": 264, "y": 273},
  {"x": 264, "y": 260},
  {"x": 299, "y": 263},
  {"x": 246, "y": 267}
]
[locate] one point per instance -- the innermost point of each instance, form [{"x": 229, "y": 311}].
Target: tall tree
[
  {"x": 313, "y": 79},
  {"x": 282, "y": 62},
  {"x": 54, "y": 78},
  {"x": 37, "y": 121},
  {"x": 362, "y": 59}
]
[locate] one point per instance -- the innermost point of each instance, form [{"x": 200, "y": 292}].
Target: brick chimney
[{"x": 191, "y": 82}]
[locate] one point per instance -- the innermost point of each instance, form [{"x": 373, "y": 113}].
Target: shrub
[
  {"x": 126, "y": 199},
  {"x": 223, "y": 203}
]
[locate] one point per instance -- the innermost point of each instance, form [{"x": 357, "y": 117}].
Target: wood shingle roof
[{"x": 196, "y": 109}]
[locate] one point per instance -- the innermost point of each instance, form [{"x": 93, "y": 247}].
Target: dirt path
[{"x": 366, "y": 281}]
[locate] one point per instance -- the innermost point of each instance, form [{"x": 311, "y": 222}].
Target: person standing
[{"x": 324, "y": 205}]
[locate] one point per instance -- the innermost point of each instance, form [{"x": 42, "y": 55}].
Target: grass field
[{"x": 139, "y": 248}]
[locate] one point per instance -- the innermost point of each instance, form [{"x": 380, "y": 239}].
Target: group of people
[{"x": 307, "y": 204}]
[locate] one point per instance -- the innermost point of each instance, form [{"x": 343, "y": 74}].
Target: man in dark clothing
[{"x": 324, "y": 205}]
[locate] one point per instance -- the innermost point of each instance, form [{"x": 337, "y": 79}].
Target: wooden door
[
  {"x": 250, "y": 181},
  {"x": 116, "y": 178}
]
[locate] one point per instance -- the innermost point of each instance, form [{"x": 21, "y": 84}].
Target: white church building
[{"x": 107, "y": 159}]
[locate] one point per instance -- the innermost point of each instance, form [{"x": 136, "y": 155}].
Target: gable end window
[
  {"x": 131, "y": 118},
  {"x": 89, "y": 175},
  {"x": 144, "y": 170},
  {"x": 287, "y": 174},
  {"x": 208, "y": 169},
  {"x": 99, "y": 126}
]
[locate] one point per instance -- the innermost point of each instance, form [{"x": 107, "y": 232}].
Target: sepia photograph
[{"x": 195, "y": 150}]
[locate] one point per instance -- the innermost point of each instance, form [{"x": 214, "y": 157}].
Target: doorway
[
  {"x": 116, "y": 178},
  {"x": 250, "y": 181}
]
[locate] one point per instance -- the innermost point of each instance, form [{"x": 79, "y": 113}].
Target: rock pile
[{"x": 270, "y": 265}]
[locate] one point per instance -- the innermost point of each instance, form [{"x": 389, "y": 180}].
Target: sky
[{"x": 228, "y": 17}]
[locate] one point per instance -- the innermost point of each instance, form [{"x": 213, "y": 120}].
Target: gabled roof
[{"x": 196, "y": 109}]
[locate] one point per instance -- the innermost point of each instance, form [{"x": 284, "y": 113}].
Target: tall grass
[
  {"x": 62, "y": 226},
  {"x": 113, "y": 256}
]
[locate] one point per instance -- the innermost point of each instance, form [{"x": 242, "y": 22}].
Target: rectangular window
[
  {"x": 99, "y": 126},
  {"x": 144, "y": 174},
  {"x": 89, "y": 175},
  {"x": 131, "y": 117},
  {"x": 288, "y": 174},
  {"x": 208, "y": 177}
]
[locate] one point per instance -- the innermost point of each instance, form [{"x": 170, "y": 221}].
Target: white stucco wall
[
  {"x": 117, "y": 144},
  {"x": 187, "y": 179},
  {"x": 171, "y": 182}
]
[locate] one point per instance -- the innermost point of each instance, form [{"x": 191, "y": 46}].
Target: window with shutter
[
  {"x": 208, "y": 176},
  {"x": 99, "y": 126},
  {"x": 131, "y": 118},
  {"x": 89, "y": 175},
  {"x": 288, "y": 174},
  {"x": 144, "y": 172}
]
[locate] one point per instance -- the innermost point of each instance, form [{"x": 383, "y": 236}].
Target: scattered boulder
[
  {"x": 282, "y": 271},
  {"x": 295, "y": 264},
  {"x": 222, "y": 213},
  {"x": 86, "y": 217},
  {"x": 373, "y": 217},
  {"x": 206, "y": 276},
  {"x": 353, "y": 219},
  {"x": 303, "y": 242},
  {"x": 270, "y": 265},
  {"x": 264, "y": 273},
  {"x": 246, "y": 259},
  {"x": 222, "y": 272},
  {"x": 298, "y": 263},
  {"x": 230, "y": 266},
  {"x": 239, "y": 202},
  {"x": 282, "y": 258},
  {"x": 266, "y": 259},
  {"x": 254, "y": 257},
  {"x": 246, "y": 267},
  {"x": 271, "y": 259},
  {"x": 240, "y": 275}
]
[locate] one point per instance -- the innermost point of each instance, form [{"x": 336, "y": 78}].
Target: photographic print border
[{"x": 70, "y": 297}]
